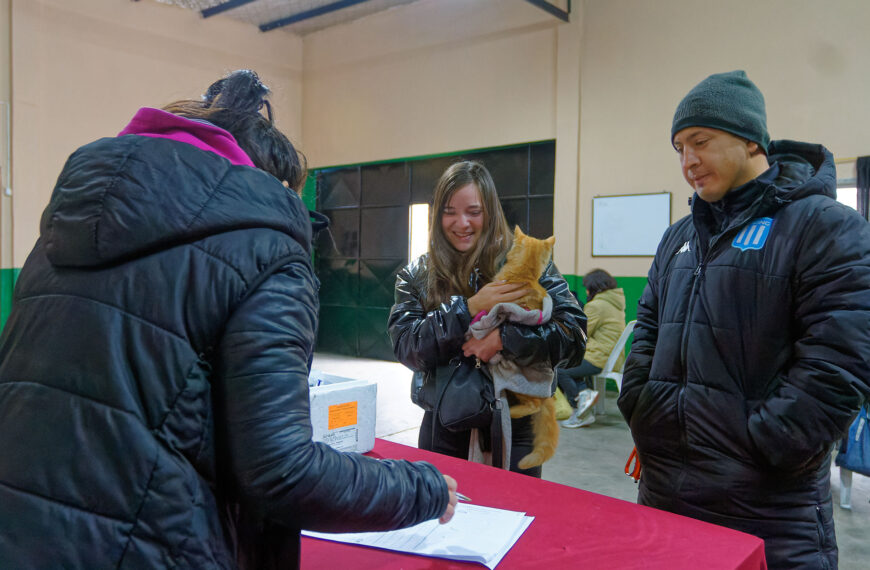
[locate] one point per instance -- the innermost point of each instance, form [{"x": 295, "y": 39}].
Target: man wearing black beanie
[{"x": 751, "y": 348}]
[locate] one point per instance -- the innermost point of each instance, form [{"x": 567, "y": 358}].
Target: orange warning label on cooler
[{"x": 342, "y": 415}]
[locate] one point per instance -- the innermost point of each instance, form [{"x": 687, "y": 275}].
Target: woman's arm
[
  {"x": 422, "y": 340},
  {"x": 264, "y": 426},
  {"x": 561, "y": 340}
]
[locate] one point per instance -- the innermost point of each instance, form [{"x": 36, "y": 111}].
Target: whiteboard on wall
[{"x": 629, "y": 225}]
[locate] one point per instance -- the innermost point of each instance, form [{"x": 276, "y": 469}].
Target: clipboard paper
[{"x": 474, "y": 534}]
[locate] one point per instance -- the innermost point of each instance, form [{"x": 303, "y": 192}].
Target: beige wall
[
  {"x": 639, "y": 58},
  {"x": 447, "y": 75},
  {"x": 433, "y": 76},
  {"x": 439, "y": 76},
  {"x": 5, "y": 96},
  {"x": 81, "y": 69}
]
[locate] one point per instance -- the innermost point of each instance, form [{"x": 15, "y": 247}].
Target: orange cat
[{"x": 525, "y": 263}]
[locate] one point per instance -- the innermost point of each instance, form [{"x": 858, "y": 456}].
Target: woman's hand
[
  {"x": 451, "y": 504},
  {"x": 483, "y": 348},
  {"x": 494, "y": 293}
]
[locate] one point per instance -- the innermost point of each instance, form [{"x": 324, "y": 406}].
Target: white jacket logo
[
  {"x": 684, "y": 248},
  {"x": 753, "y": 235}
]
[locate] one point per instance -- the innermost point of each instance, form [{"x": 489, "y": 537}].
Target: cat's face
[
  {"x": 529, "y": 251},
  {"x": 463, "y": 217}
]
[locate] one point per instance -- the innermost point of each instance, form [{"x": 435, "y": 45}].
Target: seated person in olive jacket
[
  {"x": 605, "y": 311},
  {"x": 154, "y": 368}
]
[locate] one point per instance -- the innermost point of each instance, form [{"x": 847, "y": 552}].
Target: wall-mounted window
[
  {"x": 848, "y": 196},
  {"x": 418, "y": 243}
]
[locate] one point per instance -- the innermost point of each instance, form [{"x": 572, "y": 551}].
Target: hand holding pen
[{"x": 451, "y": 503}]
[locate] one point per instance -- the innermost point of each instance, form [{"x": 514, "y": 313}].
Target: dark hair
[
  {"x": 450, "y": 270},
  {"x": 597, "y": 281},
  {"x": 233, "y": 104}
]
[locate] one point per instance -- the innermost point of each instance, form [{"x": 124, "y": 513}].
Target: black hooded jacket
[
  {"x": 153, "y": 376},
  {"x": 750, "y": 357}
]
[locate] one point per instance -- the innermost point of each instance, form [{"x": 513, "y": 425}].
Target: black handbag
[
  {"x": 423, "y": 393},
  {"x": 466, "y": 395}
]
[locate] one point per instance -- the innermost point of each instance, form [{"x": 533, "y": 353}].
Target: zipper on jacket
[
  {"x": 698, "y": 276},
  {"x": 820, "y": 528}
]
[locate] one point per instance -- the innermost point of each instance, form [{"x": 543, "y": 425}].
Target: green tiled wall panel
[
  {"x": 309, "y": 192},
  {"x": 342, "y": 327},
  {"x": 7, "y": 284},
  {"x": 339, "y": 325}
]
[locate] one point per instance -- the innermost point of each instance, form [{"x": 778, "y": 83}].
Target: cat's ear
[
  {"x": 550, "y": 240},
  {"x": 518, "y": 232}
]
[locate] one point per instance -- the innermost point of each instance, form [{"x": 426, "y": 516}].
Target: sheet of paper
[{"x": 475, "y": 534}]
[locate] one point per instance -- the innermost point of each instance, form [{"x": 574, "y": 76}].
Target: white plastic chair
[{"x": 600, "y": 380}]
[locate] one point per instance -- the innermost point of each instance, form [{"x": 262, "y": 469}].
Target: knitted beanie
[{"x": 728, "y": 102}]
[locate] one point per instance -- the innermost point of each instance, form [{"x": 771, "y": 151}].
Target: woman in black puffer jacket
[
  {"x": 438, "y": 295},
  {"x": 154, "y": 368}
]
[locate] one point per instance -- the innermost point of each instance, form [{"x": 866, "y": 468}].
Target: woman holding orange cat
[{"x": 439, "y": 294}]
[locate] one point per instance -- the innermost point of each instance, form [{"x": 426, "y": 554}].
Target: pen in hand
[{"x": 462, "y": 497}]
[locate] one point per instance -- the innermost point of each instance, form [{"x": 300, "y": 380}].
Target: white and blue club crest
[{"x": 753, "y": 235}]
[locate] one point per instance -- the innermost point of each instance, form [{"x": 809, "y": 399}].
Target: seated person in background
[
  {"x": 605, "y": 311},
  {"x": 154, "y": 367}
]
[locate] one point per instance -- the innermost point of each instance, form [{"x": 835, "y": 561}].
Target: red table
[{"x": 572, "y": 528}]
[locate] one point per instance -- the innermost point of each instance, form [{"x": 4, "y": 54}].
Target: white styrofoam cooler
[{"x": 343, "y": 411}]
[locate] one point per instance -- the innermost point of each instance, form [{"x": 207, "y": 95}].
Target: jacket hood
[
  {"x": 805, "y": 169},
  {"x": 121, "y": 198},
  {"x": 615, "y": 297}
]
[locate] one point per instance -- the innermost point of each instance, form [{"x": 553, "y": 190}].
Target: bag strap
[
  {"x": 496, "y": 432},
  {"x": 497, "y": 435}
]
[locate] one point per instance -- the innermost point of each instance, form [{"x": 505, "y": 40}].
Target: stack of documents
[{"x": 475, "y": 534}]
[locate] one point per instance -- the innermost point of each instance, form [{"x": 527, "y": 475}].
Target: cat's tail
[{"x": 546, "y": 435}]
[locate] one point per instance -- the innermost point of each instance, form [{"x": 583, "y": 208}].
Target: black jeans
[
  {"x": 572, "y": 380},
  {"x": 434, "y": 437}
]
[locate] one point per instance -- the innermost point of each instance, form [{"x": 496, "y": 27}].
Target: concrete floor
[{"x": 590, "y": 458}]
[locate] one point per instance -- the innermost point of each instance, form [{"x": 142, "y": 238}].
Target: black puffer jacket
[
  {"x": 751, "y": 356},
  {"x": 423, "y": 340},
  {"x": 153, "y": 376}
]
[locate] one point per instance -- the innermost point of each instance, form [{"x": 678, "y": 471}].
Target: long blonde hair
[{"x": 450, "y": 270}]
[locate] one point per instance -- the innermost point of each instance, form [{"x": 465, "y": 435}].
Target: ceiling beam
[
  {"x": 308, "y": 14},
  {"x": 229, "y": 5},
  {"x": 554, "y": 10}
]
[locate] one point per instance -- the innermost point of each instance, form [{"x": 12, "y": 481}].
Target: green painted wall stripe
[
  {"x": 309, "y": 191},
  {"x": 7, "y": 284},
  {"x": 633, "y": 287}
]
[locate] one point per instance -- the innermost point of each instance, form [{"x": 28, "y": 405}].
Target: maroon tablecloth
[{"x": 572, "y": 528}]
